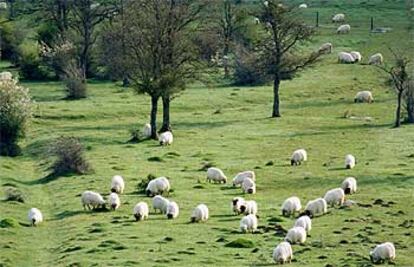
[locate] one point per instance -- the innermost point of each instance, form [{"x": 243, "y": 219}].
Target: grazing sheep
[
  {"x": 345, "y": 58},
  {"x": 237, "y": 202},
  {"x": 117, "y": 184},
  {"x": 376, "y": 59},
  {"x": 141, "y": 211},
  {"x": 249, "y": 207},
  {"x": 160, "y": 203},
  {"x": 216, "y": 175},
  {"x": 298, "y": 156},
  {"x": 248, "y": 223},
  {"x": 338, "y": 18},
  {"x": 158, "y": 186},
  {"x": 114, "y": 201},
  {"x": 90, "y": 198},
  {"x": 146, "y": 130},
  {"x": 239, "y": 178},
  {"x": 326, "y": 48},
  {"x": 364, "y": 96},
  {"x": 349, "y": 185},
  {"x": 334, "y": 197},
  {"x": 356, "y": 55},
  {"x": 315, "y": 207},
  {"x": 34, "y": 216},
  {"x": 172, "y": 210},
  {"x": 303, "y": 6},
  {"x": 249, "y": 186},
  {"x": 343, "y": 29},
  {"x": 6, "y": 76},
  {"x": 256, "y": 21},
  {"x": 296, "y": 235},
  {"x": 383, "y": 252},
  {"x": 166, "y": 138},
  {"x": 283, "y": 253},
  {"x": 290, "y": 206},
  {"x": 200, "y": 213},
  {"x": 305, "y": 222},
  {"x": 350, "y": 161}
]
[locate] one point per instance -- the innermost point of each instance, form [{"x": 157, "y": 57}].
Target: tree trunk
[
  {"x": 398, "y": 112},
  {"x": 276, "y": 84},
  {"x": 153, "y": 122},
  {"x": 226, "y": 59},
  {"x": 410, "y": 107},
  {"x": 165, "y": 114}
]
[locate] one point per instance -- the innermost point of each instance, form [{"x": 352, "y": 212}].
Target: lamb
[
  {"x": 334, "y": 197},
  {"x": 343, "y": 29},
  {"x": 304, "y": 222},
  {"x": 290, "y": 206},
  {"x": 248, "y": 223},
  {"x": 303, "y": 6},
  {"x": 90, "y": 198},
  {"x": 34, "y": 216},
  {"x": 141, "y": 211},
  {"x": 216, "y": 175},
  {"x": 200, "y": 213},
  {"x": 283, "y": 253},
  {"x": 356, "y": 55},
  {"x": 364, "y": 96},
  {"x": 296, "y": 235},
  {"x": 338, "y": 18},
  {"x": 237, "y": 202},
  {"x": 376, "y": 59},
  {"x": 349, "y": 185},
  {"x": 383, "y": 252},
  {"x": 249, "y": 186},
  {"x": 114, "y": 201},
  {"x": 326, "y": 48},
  {"x": 239, "y": 178},
  {"x": 249, "y": 207},
  {"x": 166, "y": 138},
  {"x": 158, "y": 186},
  {"x": 350, "y": 161},
  {"x": 6, "y": 76},
  {"x": 172, "y": 210},
  {"x": 146, "y": 130},
  {"x": 345, "y": 58},
  {"x": 117, "y": 184},
  {"x": 160, "y": 203},
  {"x": 298, "y": 156},
  {"x": 315, "y": 207}
]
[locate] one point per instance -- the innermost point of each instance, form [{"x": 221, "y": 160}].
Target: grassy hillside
[{"x": 230, "y": 127}]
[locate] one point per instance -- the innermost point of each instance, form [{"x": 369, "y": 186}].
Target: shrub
[
  {"x": 30, "y": 63},
  {"x": 74, "y": 81},
  {"x": 70, "y": 158},
  {"x": 15, "y": 113},
  {"x": 144, "y": 183},
  {"x": 58, "y": 55},
  {"x": 247, "y": 71}
]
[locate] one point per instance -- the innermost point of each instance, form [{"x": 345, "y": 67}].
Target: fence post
[
  {"x": 317, "y": 18},
  {"x": 372, "y": 23}
]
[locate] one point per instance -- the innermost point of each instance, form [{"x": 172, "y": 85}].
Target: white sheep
[
  {"x": 349, "y": 185},
  {"x": 160, "y": 203},
  {"x": 92, "y": 199},
  {"x": 256, "y": 21},
  {"x": 326, "y": 48},
  {"x": 216, "y": 175},
  {"x": 141, "y": 211},
  {"x": 345, "y": 58},
  {"x": 35, "y": 216},
  {"x": 303, "y": 5},
  {"x": 296, "y": 235},
  {"x": 340, "y": 17},
  {"x": 172, "y": 210},
  {"x": 6, "y": 76},
  {"x": 350, "y": 161},
  {"x": 305, "y": 222},
  {"x": 249, "y": 207},
  {"x": 248, "y": 223},
  {"x": 158, "y": 186},
  {"x": 356, "y": 55},
  {"x": 376, "y": 59},
  {"x": 166, "y": 138},
  {"x": 114, "y": 201},
  {"x": 200, "y": 213},
  {"x": 239, "y": 178},
  {"x": 249, "y": 186},
  {"x": 298, "y": 157},
  {"x": 283, "y": 253},
  {"x": 364, "y": 96},
  {"x": 290, "y": 206},
  {"x": 146, "y": 130},
  {"x": 334, "y": 197},
  {"x": 117, "y": 184},
  {"x": 236, "y": 204},
  {"x": 383, "y": 252},
  {"x": 315, "y": 207},
  {"x": 343, "y": 29}
]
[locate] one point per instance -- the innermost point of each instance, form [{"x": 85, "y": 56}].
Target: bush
[
  {"x": 144, "y": 183},
  {"x": 74, "y": 81},
  {"x": 247, "y": 71},
  {"x": 30, "y": 63},
  {"x": 15, "y": 113},
  {"x": 14, "y": 194},
  {"x": 70, "y": 158}
]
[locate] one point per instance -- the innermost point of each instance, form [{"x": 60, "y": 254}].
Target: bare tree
[{"x": 278, "y": 47}]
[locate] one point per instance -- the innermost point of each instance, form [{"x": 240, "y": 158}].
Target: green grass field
[{"x": 241, "y": 136}]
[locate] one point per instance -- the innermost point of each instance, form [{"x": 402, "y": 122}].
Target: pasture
[{"x": 230, "y": 128}]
